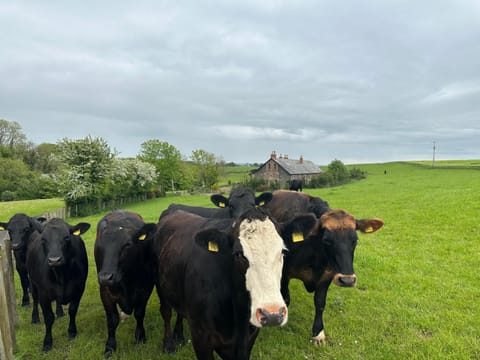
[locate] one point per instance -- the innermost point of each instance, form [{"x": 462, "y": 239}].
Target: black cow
[
  {"x": 58, "y": 266},
  {"x": 223, "y": 275},
  {"x": 240, "y": 200},
  {"x": 125, "y": 270},
  {"x": 296, "y": 185},
  {"x": 326, "y": 255},
  {"x": 20, "y": 227}
]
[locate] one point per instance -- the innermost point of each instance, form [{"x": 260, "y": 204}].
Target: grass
[
  {"x": 417, "y": 291},
  {"x": 30, "y": 207}
]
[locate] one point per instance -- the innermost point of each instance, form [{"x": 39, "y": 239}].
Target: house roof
[
  {"x": 293, "y": 166},
  {"x": 297, "y": 167}
]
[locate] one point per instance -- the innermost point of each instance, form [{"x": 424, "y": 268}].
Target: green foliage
[
  {"x": 17, "y": 182},
  {"x": 207, "y": 168},
  {"x": 336, "y": 174},
  {"x": 167, "y": 160},
  {"x": 338, "y": 171}
]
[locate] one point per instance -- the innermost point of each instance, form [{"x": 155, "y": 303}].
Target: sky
[{"x": 359, "y": 81}]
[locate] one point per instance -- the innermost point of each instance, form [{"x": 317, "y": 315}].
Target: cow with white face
[{"x": 223, "y": 276}]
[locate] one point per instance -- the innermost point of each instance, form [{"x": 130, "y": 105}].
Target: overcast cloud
[{"x": 359, "y": 81}]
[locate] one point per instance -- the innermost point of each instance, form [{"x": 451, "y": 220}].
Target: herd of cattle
[{"x": 226, "y": 270}]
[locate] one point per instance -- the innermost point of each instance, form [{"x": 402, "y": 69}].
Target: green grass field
[{"x": 416, "y": 297}]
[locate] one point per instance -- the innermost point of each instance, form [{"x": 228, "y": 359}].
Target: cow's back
[{"x": 286, "y": 204}]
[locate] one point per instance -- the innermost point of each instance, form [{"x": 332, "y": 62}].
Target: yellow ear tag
[
  {"x": 221, "y": 204},
  {"x": 142, "y": 237},
  {"x": 76, "y": 232},
  {"x": 369, "y": 229},
  {"x": 2, "y": 228},
  {"x": 261, "y": 203},
  {"x": 213, "y": 247},
  {"x": 297, "y": 237}
]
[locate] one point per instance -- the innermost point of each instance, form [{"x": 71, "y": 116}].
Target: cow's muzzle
[
  {"x": 345, "y": 280},
  {"x": 55, "y": 261},
  {"x": 106, "y": 278},
  {"x": 271, "y": 316}
]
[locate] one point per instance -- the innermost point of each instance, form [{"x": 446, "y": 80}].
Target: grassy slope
[{"x": 417, "y": 293}]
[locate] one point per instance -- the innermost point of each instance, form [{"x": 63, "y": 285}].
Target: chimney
[
  {"x": 301, "y": 159},
  {"x": 273, "y": 155}
]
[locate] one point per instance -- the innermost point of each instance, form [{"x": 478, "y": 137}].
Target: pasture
[{"x": 416, "y": 296}]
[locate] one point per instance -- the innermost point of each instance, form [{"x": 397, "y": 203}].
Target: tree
[
  {"x": 12, "y": 138},
  {"x": 339, "y": 172},
  {"x": 167, "y": 160},
  {"x": 207, "y": 168},
  {"x": 86, "y": 165},
  {"x": 130, "y": 177},
  {"x": 17, "y": 182}
]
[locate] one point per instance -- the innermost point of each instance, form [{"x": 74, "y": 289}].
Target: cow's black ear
[
  {"x": 80, "y": 228},
  {"x": 219, "y": 200},
  {"x": 263, "y": 199},
  {"x": 297, "y": 230},
  {"x": 145, "y": 231},
  {"x": 368, "y": 226},
  {"x": 38, "y": 223},
  {"x": 213, "y": 240}
]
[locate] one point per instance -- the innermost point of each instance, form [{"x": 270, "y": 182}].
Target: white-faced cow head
[{"x": 257, "y": 249}]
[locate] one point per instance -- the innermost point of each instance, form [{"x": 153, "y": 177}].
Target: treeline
[{"x": 86, "y": 173}]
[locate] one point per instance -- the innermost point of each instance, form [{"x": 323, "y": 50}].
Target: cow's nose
[
  {"x": 272, "y": 316},
  {"x": 346, "y": 280},
  {"x": 55, "y": 260},
  {"x": 105, "y": 278}
]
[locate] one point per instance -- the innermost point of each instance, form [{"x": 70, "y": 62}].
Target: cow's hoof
[
  {"x": 108, "y": 352},
  {"x": 320, "y": 339},
  {"x": 47, "y": 347},
  {"x": 169, "y": 347}
]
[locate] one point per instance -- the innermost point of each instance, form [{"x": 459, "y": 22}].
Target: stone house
[{"x": 282, "y": 169}]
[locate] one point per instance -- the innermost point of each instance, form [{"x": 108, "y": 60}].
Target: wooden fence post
[{"x": 8, "y": 310}]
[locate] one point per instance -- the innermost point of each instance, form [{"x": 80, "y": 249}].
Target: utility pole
[{"x": 433, "y": 159}]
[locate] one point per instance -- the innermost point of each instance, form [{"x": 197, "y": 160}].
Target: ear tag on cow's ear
[
  {"x": 2, "y": 228},
  {"x": 221, "y": 204},
  {"x": 142, "y": 237},
  {"x": 76, "y": 232},
  {"x": 212, "y": 246},
  {"x": 297, "y": 237},
  {"x": 261, "y": 203},
  {"x": 369, "y": 229}
]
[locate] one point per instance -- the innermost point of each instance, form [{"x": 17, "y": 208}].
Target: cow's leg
[
  {"x": 202, "y": 346},
  {"x": 139, "y": 313},
  {"x": 59, "y": 310},
  {"x": 178, "y": 331},
  {"x": 319, "y": 299},
  {"x": 49, "y": 319},
  {"x": 72, "y": 313},
  {"x": 113, "y": 320},
  {"x": 35, "y": 316},
  {"x": 22, "y": 273},
  {"x": 168, "y": 342}
]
